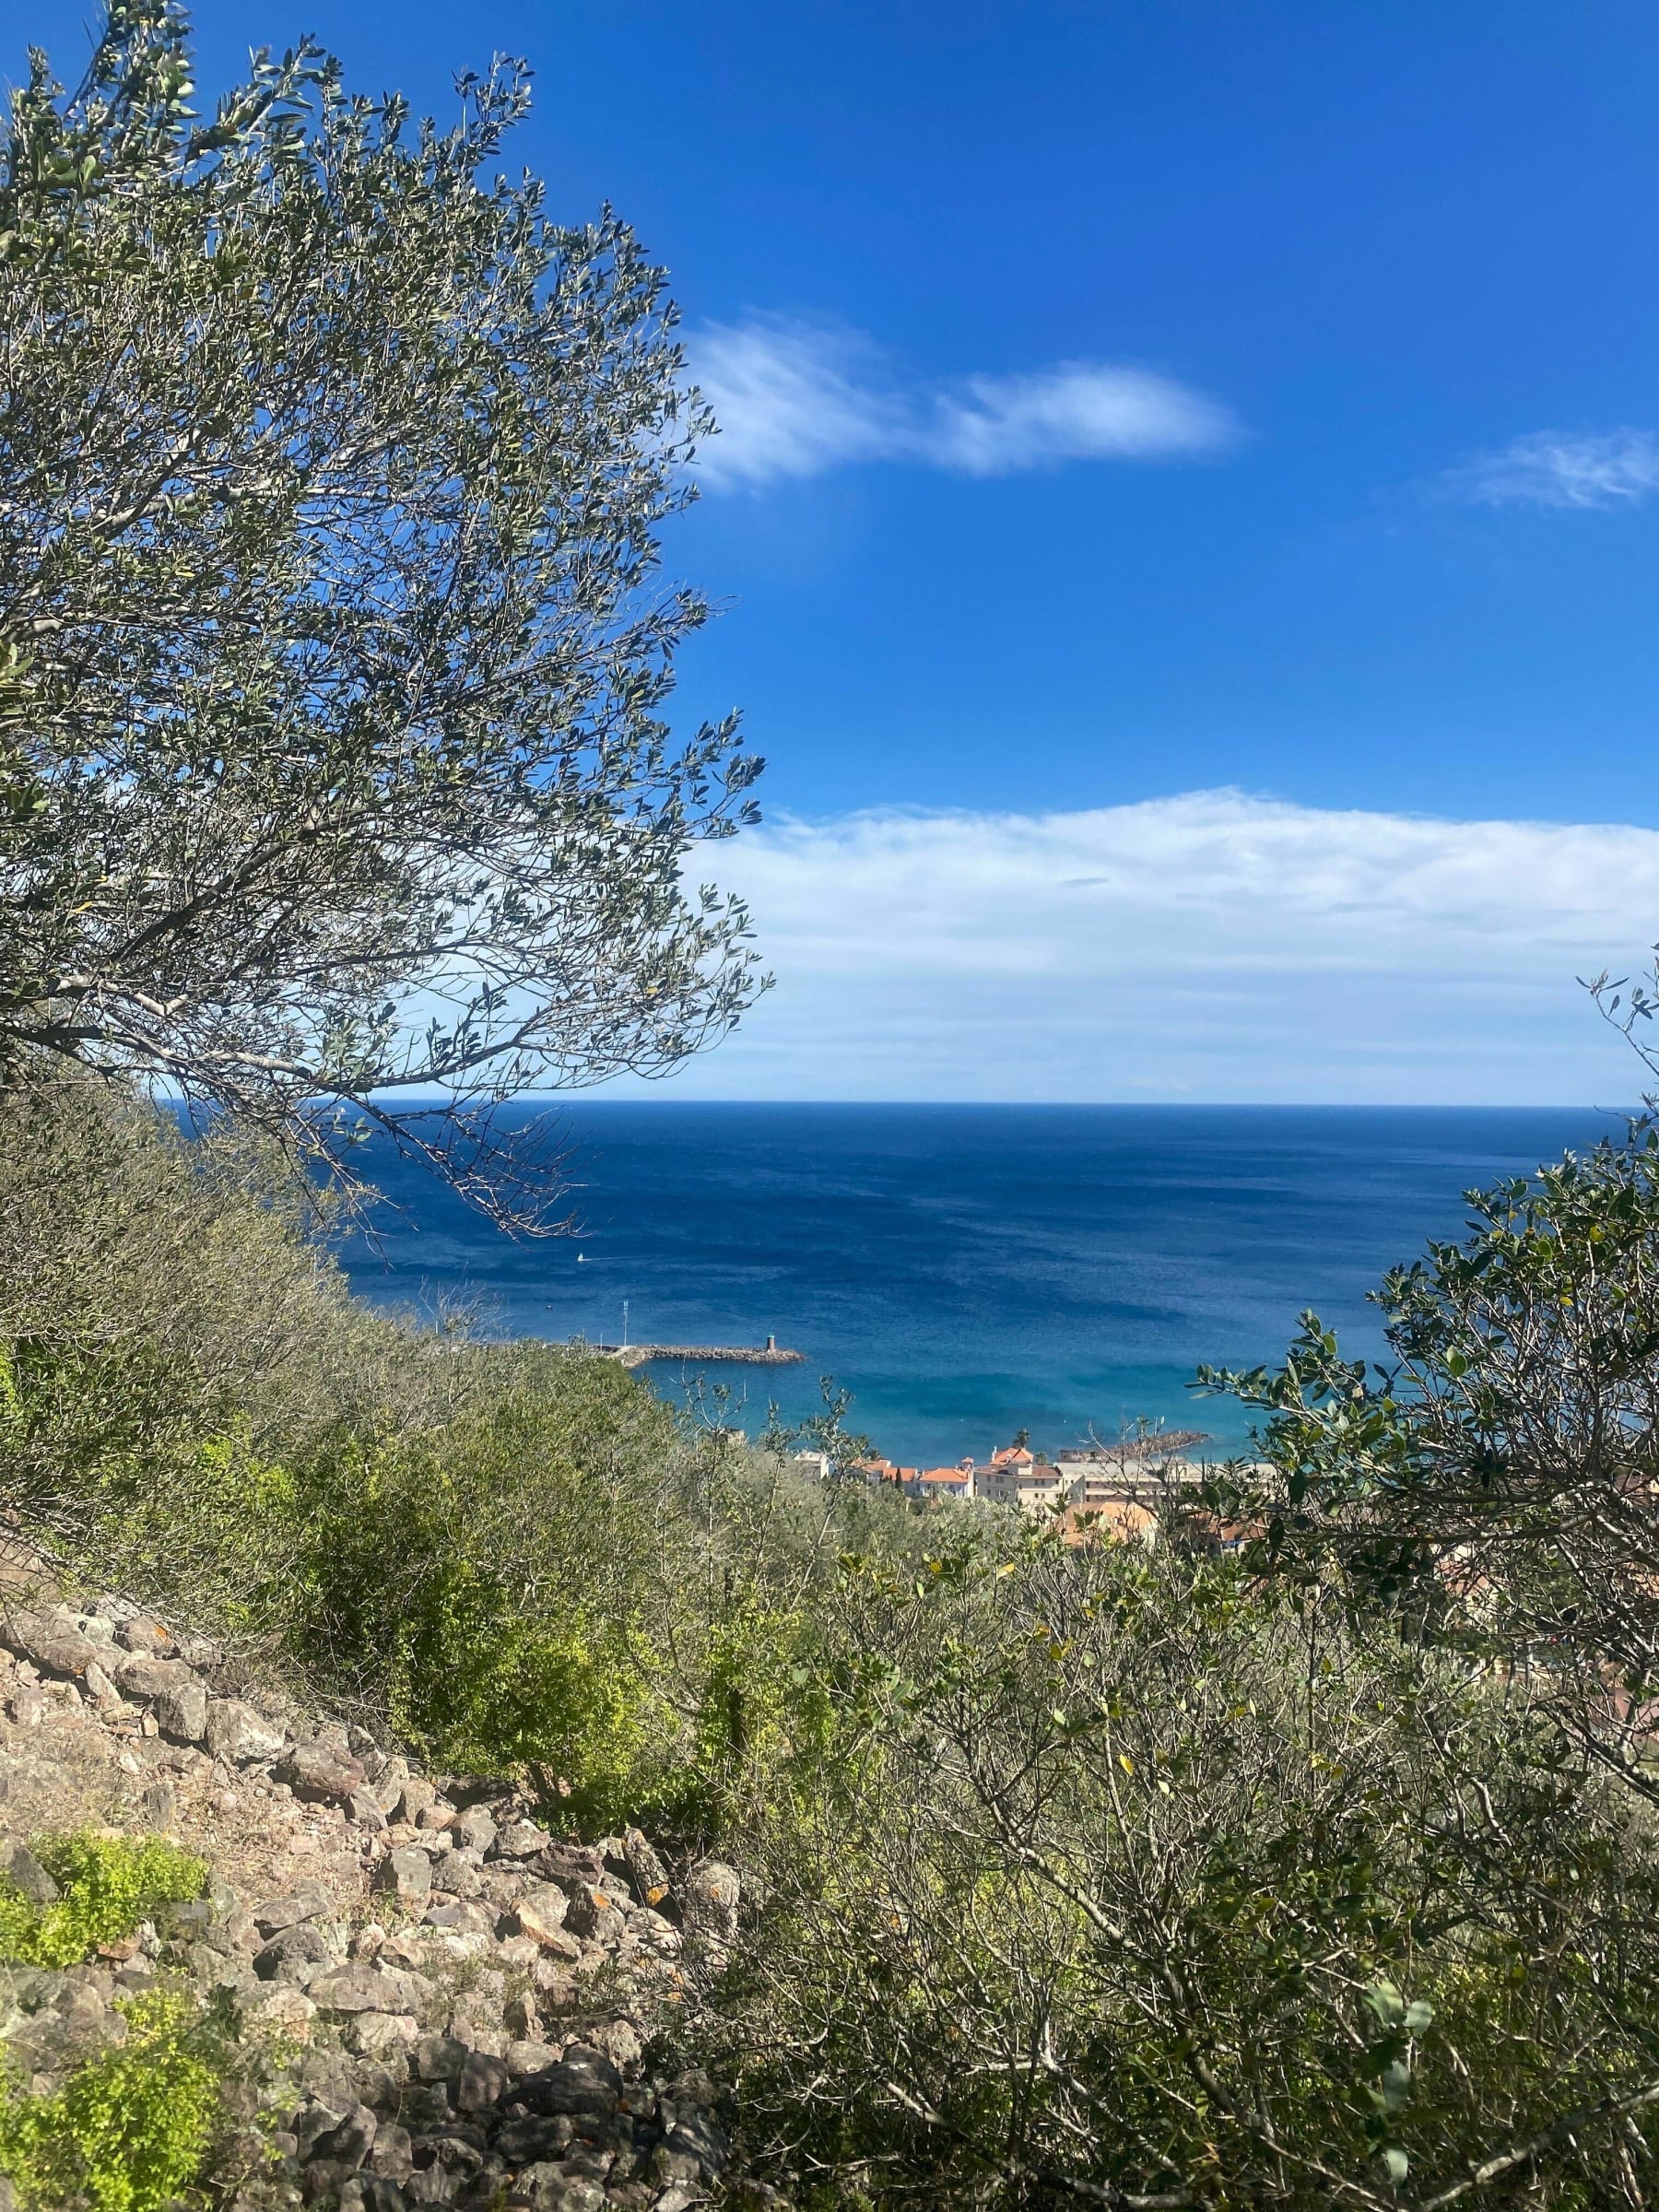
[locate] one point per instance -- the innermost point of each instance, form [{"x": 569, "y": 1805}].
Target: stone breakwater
[
  {"x": 706, "y": 1355},
  {"x": 454, "y": 2005}
]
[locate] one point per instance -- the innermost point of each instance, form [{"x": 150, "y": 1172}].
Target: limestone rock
[
  {"x": 473, "y": 1830},
  {"x": 519, "y": 1840},
  {"x": 75, "y": 2025},
  {"x": 456, "y": 1873},
  {"x": 407, "y": 1948},
  {"x": 645, "y": 1864},
  {"x": 461, "y": 1918},
  {"x": 388, "y": 1784},
  {"x": 408, "y": 1874},
  {"x": 365, "y": 1987},
  {"x": 157, "y": 1805},
  {"x": 657, "y": 1934},
  {"x": 593, "y": 1912},
  {"x": 174, "y": 1693},
  {"x": 235, "y": 1731},
  {"x": 283, "y": 2006},
  {"x": 142, "y": 1675},
  {"x": 535, "y": 2137},
  {"x": 393, "y": 2153},
  {"x": 620, "y": 2040},
  {"x": 24, "y": 1872},
  {"x": 303, "y": 1943},
  {"x": 51, "y": 1639},
  {"x": 321, "y": 1771},
  {"x": 309, "y": 1902},
  {"x": 483, "y": 2081},
  {"x": 712, "y": 1894},
  {"x": 316, "y": 2119},
  {"x": 697, "y": 2134},
  {"x": 440, "y": 2057},
  {"x": 567, "y": 1864},
  {"x": 140, "y": 1632},
  {"x": 524, "y": 2056},
  {"x": 350, "y": 2139},
  {"x": 584, "y": 2083},
  {"x": 542, "y": 1912},
  {"x": 560, "y": 2188},
  {"x": 182, "y": 1710},
  {"x": 384, "y": 2034},
  {"x": 413, "y": 1799}
]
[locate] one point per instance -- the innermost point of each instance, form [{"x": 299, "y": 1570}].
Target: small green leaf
[{"x": 1385, "y": 2003}]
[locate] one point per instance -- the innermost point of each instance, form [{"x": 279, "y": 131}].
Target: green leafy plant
[
  {"x": 107, "y": 1885},
  {"x": 126, "y": 2131},
  {"x": 1132, "y": 1878}
]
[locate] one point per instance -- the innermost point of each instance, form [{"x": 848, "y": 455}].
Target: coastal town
[{"x": 1115, "y": 1488}]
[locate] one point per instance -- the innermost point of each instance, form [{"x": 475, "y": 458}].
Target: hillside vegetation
[
  {"x": 1306, "y": 1857},
  {"x": 514, "y": 1555}
]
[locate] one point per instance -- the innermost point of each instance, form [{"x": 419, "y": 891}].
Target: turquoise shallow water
[{"x": 967, "y": 1271}]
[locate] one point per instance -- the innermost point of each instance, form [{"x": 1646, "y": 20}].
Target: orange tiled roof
[
  {"x": 1120, "y": 1521},
  {"x": 884, "y": 1468}
]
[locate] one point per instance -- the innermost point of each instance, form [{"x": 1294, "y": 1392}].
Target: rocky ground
[{"x": 451, "y": 2003}]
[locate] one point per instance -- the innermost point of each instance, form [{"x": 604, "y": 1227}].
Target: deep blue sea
[{"x": 967, "y": 1271}]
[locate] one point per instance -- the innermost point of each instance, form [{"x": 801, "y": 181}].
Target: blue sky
[{"x": 1129, "y": 400}]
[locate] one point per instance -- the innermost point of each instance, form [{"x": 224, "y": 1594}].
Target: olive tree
[{"x": 334, "y": 650}]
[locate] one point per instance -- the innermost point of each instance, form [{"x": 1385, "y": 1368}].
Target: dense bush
[
  {"x": 106, "y": 1886},
  {"x": 126, "y": 2131},
  {"x": 563, "y": 1581},
  {"x": 1125, "y": 1879},
  {"x": 1319, "y": 1870}
]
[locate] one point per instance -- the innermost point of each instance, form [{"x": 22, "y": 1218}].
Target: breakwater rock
[{"x": 703, "y": 1354}]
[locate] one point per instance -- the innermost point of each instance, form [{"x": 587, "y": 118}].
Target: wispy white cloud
[
  {"x": 793, "y": 399},
  {"x": 1557, "y": 468},
  {"x": 1081, "y": 411},
  {"x": 1211, "y": 945}
]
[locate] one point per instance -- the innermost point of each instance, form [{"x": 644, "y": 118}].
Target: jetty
[{"x": 770, "y": 1354}]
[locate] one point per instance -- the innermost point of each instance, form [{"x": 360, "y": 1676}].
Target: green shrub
[
  {"x": 107, "y": 1884},
  {"x": 1130, "y": 1879},
  {"x": 127, "y": 2132},
  {"x": 561, "y": 1582}
]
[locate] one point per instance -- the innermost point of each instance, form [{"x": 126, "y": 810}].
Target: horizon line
[{"x": 591, "y": 1097}]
